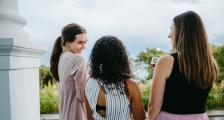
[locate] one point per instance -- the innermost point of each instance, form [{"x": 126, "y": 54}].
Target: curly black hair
[{"x": 109, "y": 62}]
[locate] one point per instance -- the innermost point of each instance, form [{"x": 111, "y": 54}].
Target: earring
[{"x": 101, "y": 71}]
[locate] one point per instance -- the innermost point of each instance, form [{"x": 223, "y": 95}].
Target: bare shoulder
[
  {"x": 133, "y": 87},
  {"x": 131, "y": 83},
  {"x": 165, "y": 65},
  {"x": 166, "y": 59}
]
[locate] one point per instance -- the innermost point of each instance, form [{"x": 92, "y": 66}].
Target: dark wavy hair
[{"x": 109, "y": 62}]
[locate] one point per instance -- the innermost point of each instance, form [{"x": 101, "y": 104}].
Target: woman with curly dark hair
[{"x": 111, "y": 94}]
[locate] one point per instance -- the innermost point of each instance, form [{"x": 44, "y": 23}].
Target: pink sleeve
[{"x": 80, "y": 76}]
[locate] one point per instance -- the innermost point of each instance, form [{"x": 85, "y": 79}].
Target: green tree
[
  {"x": 45, "y": 76},
  {"x": 145, "y": 57},
  {"x": 218, "y": 52}
]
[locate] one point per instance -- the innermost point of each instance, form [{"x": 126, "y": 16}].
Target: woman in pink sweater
[{"x": 68, "y": 67}]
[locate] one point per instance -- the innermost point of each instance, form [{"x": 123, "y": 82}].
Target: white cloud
[
  {"x": 139, "y": 23},
  {"x": 187, "y": 1}
]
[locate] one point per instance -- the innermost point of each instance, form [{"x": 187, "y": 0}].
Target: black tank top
[{"x": 181, "y": 96}]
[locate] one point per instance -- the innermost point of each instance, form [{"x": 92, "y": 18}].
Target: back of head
[
  {"x": 109, "y": 61},
  {"x": 195, "y": 57},
  {"x": 68, "y": 34}
]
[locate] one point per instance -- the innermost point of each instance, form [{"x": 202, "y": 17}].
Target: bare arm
[
  {"x": 162, "y": 71},
  {"x": 136, "y": 101},
  {"x": 88, "y": 109}
]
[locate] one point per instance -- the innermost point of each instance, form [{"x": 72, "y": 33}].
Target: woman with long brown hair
[
  {"x": 183, "y": 79},
  {"x": 68, "y": 67}
]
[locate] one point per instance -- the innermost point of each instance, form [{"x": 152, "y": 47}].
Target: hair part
[
  {"x": 196, "y": 61},
  {"x": 68, "y": 35}
]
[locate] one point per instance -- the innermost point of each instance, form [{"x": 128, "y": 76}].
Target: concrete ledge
[
  {"x": 213, "y": 115},
  {"x": 49, "y": 117}
]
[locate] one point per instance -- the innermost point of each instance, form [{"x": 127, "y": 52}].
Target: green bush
[
  {"x": 145, "y": 92},
  {"x": 216, "y": 96},
  {"x": 145, "y": 100},
  {"x": 49, "y": 99}
]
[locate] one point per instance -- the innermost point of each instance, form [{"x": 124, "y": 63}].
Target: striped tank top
[{"x": 117, "y": 103}]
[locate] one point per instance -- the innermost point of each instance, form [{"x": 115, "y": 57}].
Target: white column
[{"x": 19, "y": 67}]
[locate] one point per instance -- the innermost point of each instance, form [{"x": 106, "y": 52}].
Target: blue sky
[{"x": 140, "y": 24}]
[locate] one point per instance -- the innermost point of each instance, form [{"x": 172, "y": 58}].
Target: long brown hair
[
  {"x": 68, "y": 34},
  {"x": 195, "y": 57}
]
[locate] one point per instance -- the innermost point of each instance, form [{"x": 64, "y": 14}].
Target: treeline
[
  {"x": 144, "y": 57},
  {"x": 142, "y": 63}
]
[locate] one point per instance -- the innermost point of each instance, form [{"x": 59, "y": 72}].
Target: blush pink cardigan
[{"x": 72, "y": 72}]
